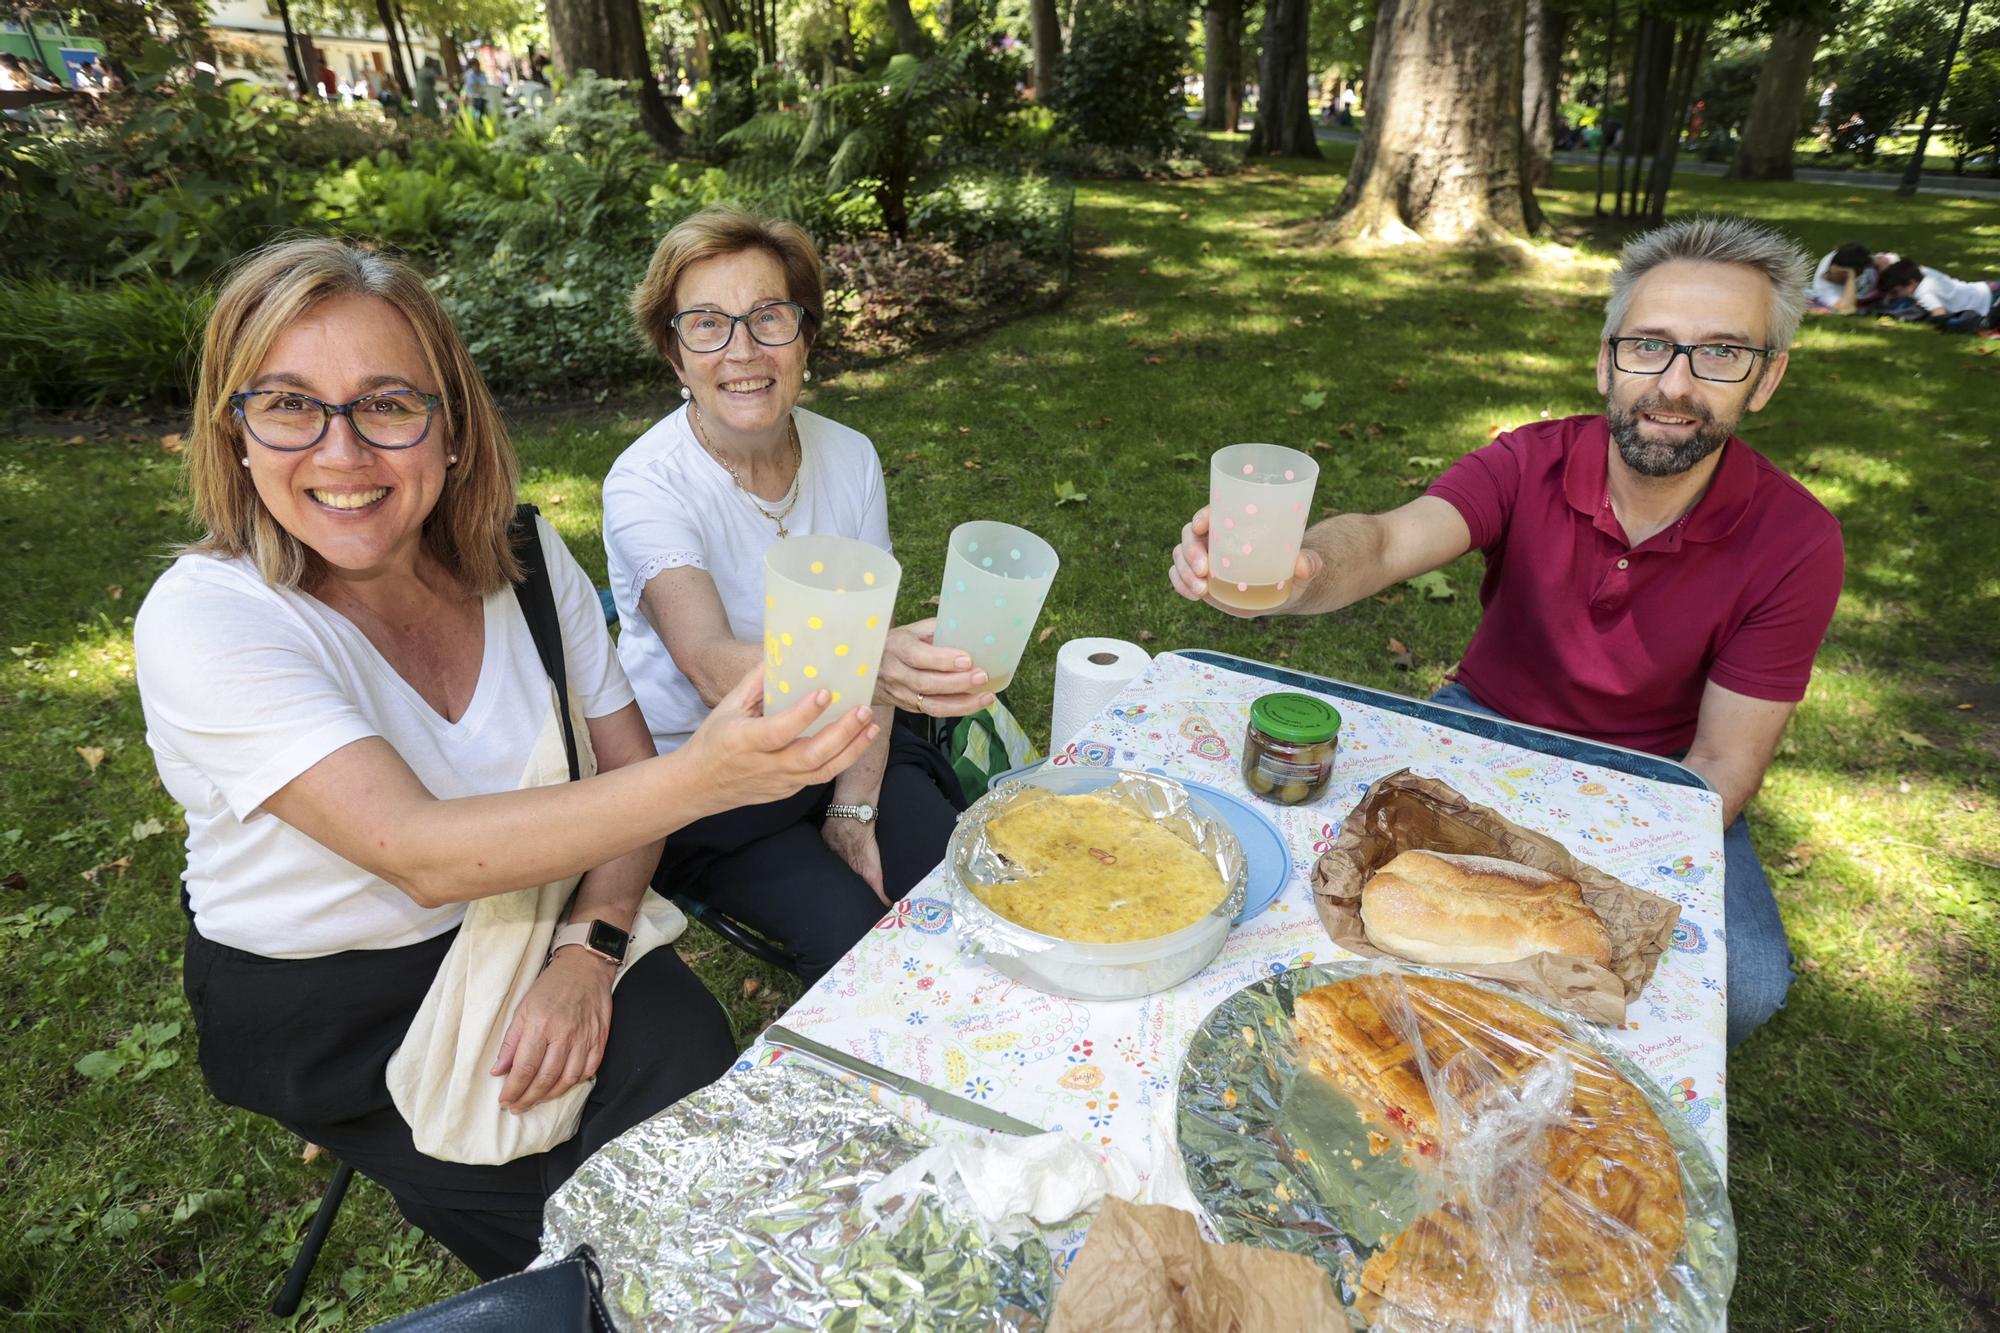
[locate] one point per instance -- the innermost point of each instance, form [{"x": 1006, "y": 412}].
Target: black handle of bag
[{"x": 538, "y": 606}]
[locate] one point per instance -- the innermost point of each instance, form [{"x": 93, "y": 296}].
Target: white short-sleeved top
[
  {"x": 246, "y": 686},
  {"x": 669, "y": 505},
  {"x": 1827, "y": 292},
  {"x": 1942, "y": 294}
]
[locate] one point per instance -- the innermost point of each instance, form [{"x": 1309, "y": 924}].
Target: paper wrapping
[
  {"x": 1145, "y": 1269},
  {"x": 1405, "y": 812}
]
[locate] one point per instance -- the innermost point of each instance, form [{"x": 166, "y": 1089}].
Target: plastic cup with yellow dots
[
  {"x": 1259, "y": 501},
  {"x": 995, "y": 579},
  {"x": 828, "y": 602}
]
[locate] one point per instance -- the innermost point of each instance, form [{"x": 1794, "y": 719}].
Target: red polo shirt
[{"x": 1586, "y": 634}]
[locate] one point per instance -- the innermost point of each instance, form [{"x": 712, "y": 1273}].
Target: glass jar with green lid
[{"x": 1289, "y": 747}]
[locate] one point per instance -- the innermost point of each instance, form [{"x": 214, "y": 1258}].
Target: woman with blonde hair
[
  {"x": 733, "y": 302},
  {"x": 360, "y": 716}
]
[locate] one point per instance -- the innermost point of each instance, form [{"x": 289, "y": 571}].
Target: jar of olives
[{"x": 1288, "y": 751}]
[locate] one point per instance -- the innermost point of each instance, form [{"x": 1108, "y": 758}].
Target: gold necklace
[{"x": 798, "y": 471}]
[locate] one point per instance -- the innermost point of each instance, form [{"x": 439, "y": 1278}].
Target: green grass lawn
[{"x": 1864, "y": 1167}]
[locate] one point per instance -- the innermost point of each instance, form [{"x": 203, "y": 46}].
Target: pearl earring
[
  {"x": 808, "y": 372},
  {"x": 244, "y": 461},
  {"x": 686, "y": 393},
  {"x": 450, "y": 460}
]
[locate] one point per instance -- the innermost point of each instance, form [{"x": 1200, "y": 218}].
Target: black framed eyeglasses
[
  {"x": 289, "y": 422},
  {"x": 774, "y": 324},
  {"x": 1723, "y": 363}
]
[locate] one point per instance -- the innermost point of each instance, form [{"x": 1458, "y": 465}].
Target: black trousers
[
  {"x": 307, "y": 1042},
  {"x": 767, "y": 866}
]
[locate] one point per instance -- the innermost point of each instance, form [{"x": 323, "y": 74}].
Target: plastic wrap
[
  {"x": 1067, "y": 967},
  {"x": 739, "y": 1208},
  {"x": 1483, "y": 1161}
]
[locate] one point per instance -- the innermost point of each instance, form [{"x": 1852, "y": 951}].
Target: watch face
[{"x": 608, "y": 940}]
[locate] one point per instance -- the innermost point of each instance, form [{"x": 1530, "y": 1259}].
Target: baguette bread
[{"x": 1447, "y": 910}]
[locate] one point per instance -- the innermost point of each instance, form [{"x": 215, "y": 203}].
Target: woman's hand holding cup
[
  {"x": 920, "y": 677},
  {"x": 746, "y": 758}
]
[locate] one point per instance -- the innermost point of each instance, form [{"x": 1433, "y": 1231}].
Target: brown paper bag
[
  {"x": 1145, "y": 1269},
  {"x": 1403, "y": 812}
]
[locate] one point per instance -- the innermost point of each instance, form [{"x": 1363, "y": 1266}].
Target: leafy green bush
[
  {"x": 1119, "y": 83},
  {"x": 63, "y": 345},
  {"x": 972, "y": 208}
]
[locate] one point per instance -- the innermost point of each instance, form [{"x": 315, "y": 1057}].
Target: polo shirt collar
[{"x": 1586, "y": 483}]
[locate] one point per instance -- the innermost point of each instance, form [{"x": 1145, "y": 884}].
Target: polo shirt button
[{"x": 1624, "y": 564}]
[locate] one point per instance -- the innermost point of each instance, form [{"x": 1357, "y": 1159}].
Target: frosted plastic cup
[
  {"x": 1259, "y": 498},
  {"x": 828, "y": 602},
  {"x": 995, "y": 579}
]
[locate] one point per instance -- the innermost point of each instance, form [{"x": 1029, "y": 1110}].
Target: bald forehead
[{"x": 1698, "y": 301}]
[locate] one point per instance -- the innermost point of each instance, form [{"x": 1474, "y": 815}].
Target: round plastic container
[{"x": 1095, "y": 971}]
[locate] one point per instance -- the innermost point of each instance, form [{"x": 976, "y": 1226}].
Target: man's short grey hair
[{"x": 1719, "y": 240}]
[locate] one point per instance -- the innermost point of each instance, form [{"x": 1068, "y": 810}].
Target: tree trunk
[
  {"x": 1045, "y": 30},
  {"x": 909, "y": 36},
  {"x": 396, "y": 67},
  {"x": 609, "y": 36},
  {"x": 1284, "y": 125},
  {"x": 1541, "y": 90},
  {"x": 292, "y": 61},
  {"x": 1222, "y": 64},
  {"x": 1689, "y": 49},
  {"x": 1604, "y": 101},
  {"x": 1764, "y": 153},
  {"x": 1440, "y": 155},
  {"x": 1915, "y": 171}
]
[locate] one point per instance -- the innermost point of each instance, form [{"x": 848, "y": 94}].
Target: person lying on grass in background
[
  {"x": 1844, "y": 283},
  {"x": 1951, "y": 305},
  {"x": 1651, "y": 581},
  {"x": 342, "y": 690}
]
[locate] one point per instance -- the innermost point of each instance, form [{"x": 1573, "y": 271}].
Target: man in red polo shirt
[{"x": 1651, "y": 580}]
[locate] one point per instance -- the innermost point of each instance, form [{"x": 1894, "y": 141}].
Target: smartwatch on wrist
[{"x": 599, "y": 937}]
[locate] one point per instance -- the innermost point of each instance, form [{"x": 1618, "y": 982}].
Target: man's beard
[{"x": 1665, "y": 458}]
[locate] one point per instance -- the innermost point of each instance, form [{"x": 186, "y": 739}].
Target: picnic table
[{"x": 908, "y": 1000}]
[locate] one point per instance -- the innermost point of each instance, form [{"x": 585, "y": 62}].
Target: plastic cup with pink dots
[{"x": 1259, "y": 501}]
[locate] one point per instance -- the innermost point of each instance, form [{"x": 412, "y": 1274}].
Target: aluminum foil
[
  {"x": 737, "y": 1208},
  {"x": 1284, "y": 1162},
  {"x": 1067, "y": 967}
]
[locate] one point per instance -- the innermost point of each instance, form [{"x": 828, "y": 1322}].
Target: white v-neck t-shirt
[
  {"x": 669, "y": 505},
  {"x": 246, "y": 686}
]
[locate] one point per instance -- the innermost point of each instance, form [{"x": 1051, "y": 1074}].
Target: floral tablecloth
[{"x": 906, "y": 999}]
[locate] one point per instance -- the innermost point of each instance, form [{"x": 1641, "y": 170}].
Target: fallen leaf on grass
[
  {"x": 558, "y": 499},
  {"x": 751, "y": 986},
  {"x": 1965, "y": 708},
  {"x": 1400, "y": 383},
  {"x": 1145, "y": 636},
  {"x": 312, "y": 1150},
  {"x": 169, "y": 444},
  {"x": 1915, "y": 740},
  {"x": 965, "y": 430},
  {"x": 1043, "y": 637},
  {"x": 1386, "y": 598},
  {"x": 115, "y": 591},
  {"x": 1314, "y": 401},
  {"x": 1799, "y": 856},
  {"x": 1434, "y": 585},
  {"x": 146, "y": 828},
  {"x": 92, "y": 755},
  {"x": 1067, "y": 493},
  {"x": 972, "y": 465},
  {"x": 1399, "y": 656},
  {"x": 1156, "y": 359}
]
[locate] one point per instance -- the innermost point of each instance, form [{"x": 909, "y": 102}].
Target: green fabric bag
[{"x": 986, "y": 744}]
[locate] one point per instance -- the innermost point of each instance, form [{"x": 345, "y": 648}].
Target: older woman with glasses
[
  {"x": 344, "y": 692},
  {"x": 733, "y": 302}
]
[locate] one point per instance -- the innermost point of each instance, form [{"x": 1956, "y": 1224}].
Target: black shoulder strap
[{"x": 538, "y": 606}]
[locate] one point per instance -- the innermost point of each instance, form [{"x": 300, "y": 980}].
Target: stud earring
[
  {"x": 686, "y": 393},
  {"x": 450, "y": 460},
  {"x": 808, "y": 372},
  {"x": 244, "y": 461}
]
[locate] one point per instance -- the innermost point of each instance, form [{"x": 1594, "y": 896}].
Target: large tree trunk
[
  {"x": 1764, "y": 153},
  {"x": 397, "y": 69},
  {"x": 1222, "y": 64},
  {"x": 909, "y": 35},
  {"x": 1284, "y": 125},
  {"x": 1541, "y": 89},
  {"x": 609, "y": 36},
  {"x": 1440, "y": 155},
  {"x": 1045, "y": 30}
]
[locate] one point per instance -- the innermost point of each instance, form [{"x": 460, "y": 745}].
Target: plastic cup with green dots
[
  {"x": 828, "y": 603},
  {"x": 995, "y": 579}
]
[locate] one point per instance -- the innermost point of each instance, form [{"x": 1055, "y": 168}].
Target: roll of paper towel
[{"x": 1089, "y": 674}]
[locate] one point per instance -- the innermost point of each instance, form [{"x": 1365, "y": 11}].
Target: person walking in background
[{"x": 426, "y": 98}]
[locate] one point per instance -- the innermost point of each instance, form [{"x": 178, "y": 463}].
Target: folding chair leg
[{"x": 302, "y": 1267}]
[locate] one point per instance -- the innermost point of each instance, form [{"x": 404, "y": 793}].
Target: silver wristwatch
[{"x": 864, "y": 812}]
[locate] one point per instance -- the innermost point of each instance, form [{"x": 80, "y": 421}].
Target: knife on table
[{"x": 947, "y": 1104}]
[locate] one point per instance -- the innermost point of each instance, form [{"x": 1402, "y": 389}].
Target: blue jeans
[{"x": 1759, "y": 958}]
